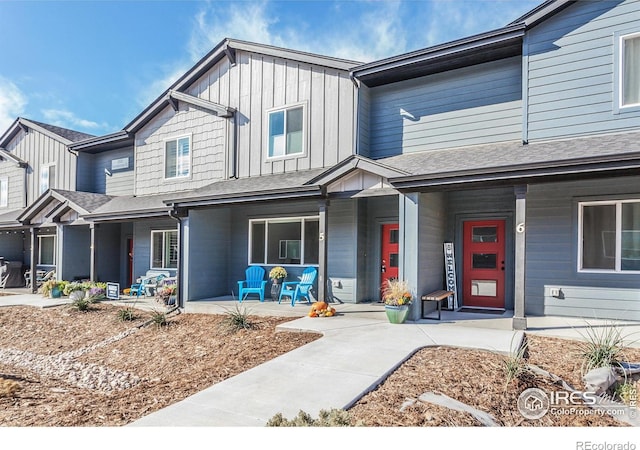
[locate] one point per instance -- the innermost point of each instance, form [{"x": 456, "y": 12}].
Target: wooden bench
[{"x": 435, "y": 296}]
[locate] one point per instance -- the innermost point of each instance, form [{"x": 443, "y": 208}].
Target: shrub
[
  {"x": 332, "y": 418},
  {"x": 236, "y": 320},
  {"x": 96, "y": 293},
  {"x": 159, "y": 319},
  {"x": 514, "y": 363},
  {"x": 8, "y": 388},
  {"x": 602, "y": 347},
  {"x": 627, "y": 392},
  {"x": 126, "y": 314},
  {"x": 81, "y": 304},
  {"x": 73, "y": 287}
]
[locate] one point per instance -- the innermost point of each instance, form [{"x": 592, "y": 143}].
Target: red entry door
[
  {"x": 390, "y": 259},
  {"x": 483, "y": 263}
]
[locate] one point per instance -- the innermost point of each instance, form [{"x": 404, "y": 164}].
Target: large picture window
[
  {"x": 177, "y": 158},
  {"x": 610, "y": 236},
  {"x": 164, "y": 249},
  {"x": 47, "y": 249},
  {"x": 630, "y": 70},
  {"x": 291, "y": 241},
  {"x": 286, "y": 132}
]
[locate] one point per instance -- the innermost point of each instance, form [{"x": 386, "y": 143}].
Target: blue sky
[{"x": 93, "y": 66}]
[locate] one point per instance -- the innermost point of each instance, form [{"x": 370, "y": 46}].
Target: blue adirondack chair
[
  {"x": 299, "y": 289},
  {"x": 254, "y": 283},
  {"x": 140, "y": 289}
]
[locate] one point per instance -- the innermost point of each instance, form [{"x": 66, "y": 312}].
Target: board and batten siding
[
  {"x": 552, "y": 253},
  {"x": 571, "y": 70},
  {"x": 207, "y": 151},
  {"x": 38, "y": 149},
  {"x": 469, "y": 106},
  {"x": 258, "y": 83}
]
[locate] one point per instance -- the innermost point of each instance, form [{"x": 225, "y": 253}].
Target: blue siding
[
  {"x": 142, "y": 243},
  {"x": 474, "y": 105},
  {"x": 108, "y": 251},
  {"x": 12, "y": 246},
  {"x": 208, "y": 253},
  {"x": 572, "y": 70},
  {"x": 552, "y": 248},
  {"x": 76, "y": 258}
]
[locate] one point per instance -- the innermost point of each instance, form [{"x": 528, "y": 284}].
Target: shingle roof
[
  {"x": 133, "y": 205},
  {"x": 71, "y": 135},
  {"x": 86, "y": 200},
  {"x": 290, "y": 182},
  {"x": 10, "y": 218},
  {"x": 510, "y": 155}
]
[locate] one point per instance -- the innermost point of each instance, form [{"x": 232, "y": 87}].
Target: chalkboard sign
[
  {"x": 450, "y": 273},
  {"x": 113, "y": 291}
]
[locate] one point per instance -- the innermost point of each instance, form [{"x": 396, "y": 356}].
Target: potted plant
[
  {"x": 52, "y": 288},
  {"x": 397, "y": 298},
  {"x": 277, "y": 274}
]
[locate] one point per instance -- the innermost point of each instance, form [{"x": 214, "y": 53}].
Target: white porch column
[
  {"x": 408, "y": 247},
  {"x": 92, "y": 253},
  {"x": 323, "y": 207},
  {"x": 519, "y": 319},
  {"x": 59, "y": 257},
  {"x": 34, "y": 258}
]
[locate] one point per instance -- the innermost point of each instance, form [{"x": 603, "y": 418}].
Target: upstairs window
[
  {"x": 4, "y": 192},
  {"x": 177, "y": 158},
  {"x": 47, "y": 177},
  {"x": 610, "y": 236},
  {"x": 630, "y": 70},
  {"x": 286, "y": 131},
  {"x": 164, "y": 249}
]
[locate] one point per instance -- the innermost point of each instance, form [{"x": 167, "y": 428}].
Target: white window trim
[
  {"x": 619, "y": 106},
  {"x": 55, "y": 249},
  {"x": 164, "y": 157},
  {"x": 48, "y": 167},
  {"x": 305, "y": 127},
  {"x": 266, "y": 221},
  {"x": 6, "y": 202},
  {"x": 151, "y": 266},
  {"x": 618, "y": 263}
]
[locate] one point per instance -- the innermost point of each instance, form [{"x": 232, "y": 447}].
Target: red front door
[
  {"x": 390, "y": 259},
  {"x": 483, "y": 263}
]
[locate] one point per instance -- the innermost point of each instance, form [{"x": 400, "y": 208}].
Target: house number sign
[{"x": 450, "y": 273}]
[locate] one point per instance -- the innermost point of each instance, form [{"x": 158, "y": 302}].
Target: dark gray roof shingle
[
  {"x": 508, "y": 155},
  {"x": 71, "y": 135},
  {"x": 126, "y": 204},
  {"x": 86, "y": 200}
]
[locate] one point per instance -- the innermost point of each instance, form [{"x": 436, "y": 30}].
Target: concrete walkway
[{"x": 351, "y": 358}]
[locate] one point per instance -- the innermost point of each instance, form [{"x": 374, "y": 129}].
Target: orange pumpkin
[{"x": 319, "y": 306}]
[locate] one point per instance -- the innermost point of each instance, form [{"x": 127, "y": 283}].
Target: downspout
[
  {"x": 234, "y": 145},
  {"x": 173, "y": 213}
]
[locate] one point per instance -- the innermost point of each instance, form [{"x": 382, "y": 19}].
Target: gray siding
[
  {"x": 142, "y": 243},
  {"x": 473, "y": 105},
  {"x": 342, "y": 242},
  {"x": 37, "y": 150},
  {"x": 108, "y": 251},
  {"x": 552, "y": 248},
  {"x": 15, "y": 177},
  {"x": 76, "y": 257},
  {"x": 98, "y": 176},
  {"x": 572, "y": 74},
  {"x": 207, "y": 254},
  {"x": 12, "y": 245},
  {"x": 208, "y": 147}
]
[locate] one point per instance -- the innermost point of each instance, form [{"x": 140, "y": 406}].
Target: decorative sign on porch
[
  {"x": 450, "y": 273},
  {"x": 120, "y": 163},
  {"x": 113, "y": 291}
]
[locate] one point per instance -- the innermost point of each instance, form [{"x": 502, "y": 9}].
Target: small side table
[{"x": 435, "y": 296}]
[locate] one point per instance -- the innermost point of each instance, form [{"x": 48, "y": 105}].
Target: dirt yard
[{"x": 91, "y": 369}]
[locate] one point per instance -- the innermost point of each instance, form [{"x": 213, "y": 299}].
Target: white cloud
[
  {"x": 12, "y": 103},
  {"x": 68, "y": 119}
]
